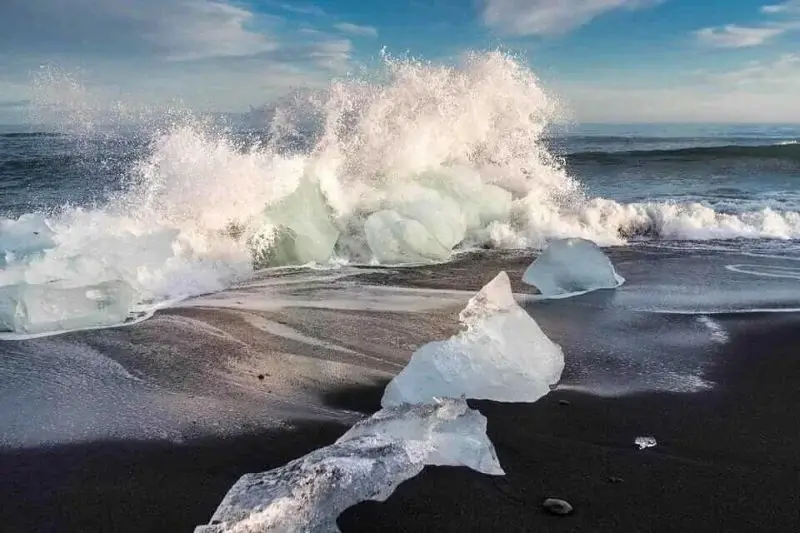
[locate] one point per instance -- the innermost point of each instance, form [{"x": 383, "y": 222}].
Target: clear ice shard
[
  {"x": 33, "y": 309},
  {"x": 502, "y": 355},
  {"x": 568, "y": 267},
  {"x": 367, "y": 463}
]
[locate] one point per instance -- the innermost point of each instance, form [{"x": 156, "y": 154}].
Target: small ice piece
[
  {"x": 367, "y": 463},
  {"x": 33, "y": 309},
  {"x": 502, "y": 355},
  {"x": 645, "y": 442},
  {"x": 568, "y": 267}
]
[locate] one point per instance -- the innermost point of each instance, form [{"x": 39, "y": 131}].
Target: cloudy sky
[{"x": 608, "y": 60}]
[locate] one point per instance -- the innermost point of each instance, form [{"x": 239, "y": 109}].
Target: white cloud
[
  {"x": 782, "y": 73},
  {"x": 332, "y": 55},
  {"x": 550, "y": 17},
  {"x": 756, "y": 92},
  {"x": 356, "y": 29},
  {"x": 178, "y": 29},
  {"x": 307, "y": 9},
  {"x": 208, "y": 54},
  {"x": 207, "y": 28},
  {"x": 733, "y": 36},
  {"x": 785, "y": 7}
]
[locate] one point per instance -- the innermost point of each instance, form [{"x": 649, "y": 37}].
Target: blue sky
[{"x": 607, "y": 60}]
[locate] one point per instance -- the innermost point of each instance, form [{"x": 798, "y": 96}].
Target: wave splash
[{"x": 402, "y": 168}]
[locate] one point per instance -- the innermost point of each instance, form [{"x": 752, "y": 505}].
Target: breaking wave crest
[{"x": 404, "y": 167}]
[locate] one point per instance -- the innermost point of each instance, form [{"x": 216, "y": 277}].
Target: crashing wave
[{"x": 426, "y": 160}]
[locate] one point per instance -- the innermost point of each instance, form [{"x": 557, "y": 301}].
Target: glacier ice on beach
[
  {"x": 366, "y": 463},
  {"x": 26, "y": 236},
  {"x": 448, "y": 432},
  {"x": 32, "y": 309},
  {"x": 303, "y": 231},
  {"x": 502, "y": 355},
  {"x": 393, "y": 238},
  {"x": 422, "y": 225},
  {"x": 571, "y": 266}
]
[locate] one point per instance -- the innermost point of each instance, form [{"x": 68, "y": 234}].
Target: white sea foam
[
  {"x": 403, "y": 169},
  {"x": 715, "y": 329},
  {"x": 766, "y": 271}
]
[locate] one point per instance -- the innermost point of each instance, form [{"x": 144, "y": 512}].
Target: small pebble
[
  {"x": 614, "y": 479},
  {"x": 557, "y": 507}
]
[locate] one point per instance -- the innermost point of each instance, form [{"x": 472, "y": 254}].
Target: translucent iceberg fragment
[
  {"x": 307, "y": 495},
  {"x": 479, "y": 202},
  {"x": 26, "y": 236},
  {"x": 447, "y": 431},
  {"x": 571, "y": 266},
  {"x": 502, "y": 355},
  {"x": 366, "y": 463},
  {"x": 304, "y": 231},
  {"x": 422, "y": 224},
  {"x": 393, "y": 238},
  {"x": 32, "y": 309}
]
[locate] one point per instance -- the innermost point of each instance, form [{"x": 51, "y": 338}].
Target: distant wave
[
  {"x": 28, "y": 134},
  {"x": 786, "y": 151}
]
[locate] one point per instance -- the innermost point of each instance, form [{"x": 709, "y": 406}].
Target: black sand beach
[{"x": 727, "y": 460}]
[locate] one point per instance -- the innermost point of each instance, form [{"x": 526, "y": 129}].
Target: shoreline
[{"x": 726, "y": 460}]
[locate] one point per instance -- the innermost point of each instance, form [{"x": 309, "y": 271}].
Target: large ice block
[
  {"x": 366, "y": 463},
  {"x": 420, "y": 224},
  {"x": 32, "y": 309},
  {"x": 571, "y": 266},
  {"x": 304, "y": 231},
  {"x": 393, "y": 238},
  {"x": 502, "y": 355}
]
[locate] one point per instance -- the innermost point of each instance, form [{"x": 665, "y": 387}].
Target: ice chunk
[
  {"x": 571, "y": 266},
  {"x": 449, "y": 433},
  {"x": 421, "y": 224},
  {"x": 32, "y": 309},
  {"x": 366, "y": 463},
  {"x": 439, "y": 213},
  {"x": 308, "y": 494},
  {"x": 479, "y": 202},
  {"x": 304, "y": 231},
  {"x": 393, "y": 238},
  {"x": 502, "y": 355},
  {"x": 27, "y": 236},
  {"x": 645, "y": 442}
]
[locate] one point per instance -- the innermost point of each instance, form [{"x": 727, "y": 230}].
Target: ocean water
[{"x": 321, "y": 240}]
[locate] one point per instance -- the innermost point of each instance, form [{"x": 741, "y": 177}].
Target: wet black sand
[{"x": 727, "y": 460}]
